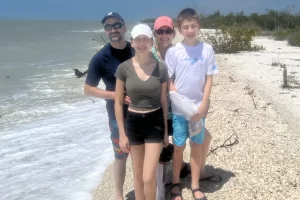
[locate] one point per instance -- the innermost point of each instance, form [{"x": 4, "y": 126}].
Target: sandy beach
[{"x": 255, "y": 128}]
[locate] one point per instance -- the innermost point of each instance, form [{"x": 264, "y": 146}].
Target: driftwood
[
  {"x": 79, "y": 74},
  {"x": 250, "y": 92},
  {"x": 228, "y": 143},
  {"x": 285, "y": 79},
  {"x": 253, "y": 99},
  {"x": 92, "y": 100}
]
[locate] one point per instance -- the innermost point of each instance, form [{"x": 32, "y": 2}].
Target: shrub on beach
[
  {"x": 281, "y": 34},
  {"x": 231, "y": 39},
  {"x": 294, "y": 39}
]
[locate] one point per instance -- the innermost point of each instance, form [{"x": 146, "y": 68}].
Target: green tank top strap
[{"x": 154, "y": 53}]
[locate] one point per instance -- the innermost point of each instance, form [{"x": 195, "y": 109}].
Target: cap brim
[
  {"x": 105, "y": 18},
  {"x": 159, "y": 26},
  {"x": 137, "y": 35}
]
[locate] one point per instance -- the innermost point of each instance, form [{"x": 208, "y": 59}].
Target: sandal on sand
[
  {"x": 196, "y": 190},
  {"x": 186, "y": 170},
  {"x": 176, "y": 194},
  {"x": 212, "y": 178}
]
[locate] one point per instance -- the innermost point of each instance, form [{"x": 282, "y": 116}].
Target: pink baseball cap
[{"x": 163, "y": 21}]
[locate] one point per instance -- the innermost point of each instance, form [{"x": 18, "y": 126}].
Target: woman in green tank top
[{"x": 145, "y": 131}]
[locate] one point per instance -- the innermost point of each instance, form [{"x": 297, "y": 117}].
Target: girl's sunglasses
[
  {"x": 109, "y": 27},
  {"x": 164, "y": 31}
]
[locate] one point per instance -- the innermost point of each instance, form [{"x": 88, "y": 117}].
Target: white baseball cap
[{"x": 141, "y": 29}]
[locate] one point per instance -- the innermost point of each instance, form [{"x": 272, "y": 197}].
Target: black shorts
[{"x": 144, "y": 128}]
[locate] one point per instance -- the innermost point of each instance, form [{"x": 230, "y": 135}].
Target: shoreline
[{"x": 264, "y": 164}]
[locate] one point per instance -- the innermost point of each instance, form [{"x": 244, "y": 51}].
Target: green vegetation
[
  {"x": 231, "y": 39},
  {"x": 294, "y": 38},
  {"x": 283, "y": 25}
]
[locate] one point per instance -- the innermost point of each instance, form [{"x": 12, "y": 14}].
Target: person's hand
[
  {"x": 196, "y": 117},
  {"x": 127, "y": 100},
  {"x": 202, "y": 111},
  {"x": 166, "y": 140},
  {"x": 124, "y": 144}
]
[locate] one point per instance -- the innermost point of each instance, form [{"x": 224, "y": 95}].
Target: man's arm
[
  {"x": 97, "y": 92},
  {"x": 95, "y": 73}
]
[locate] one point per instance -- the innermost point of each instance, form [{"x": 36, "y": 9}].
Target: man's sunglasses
[
  {"x": 164, "y": 31},
  {"x": 109, "y": 27}
]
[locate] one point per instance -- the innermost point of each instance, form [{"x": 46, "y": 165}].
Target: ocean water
[{"x": 54, "y": 140}]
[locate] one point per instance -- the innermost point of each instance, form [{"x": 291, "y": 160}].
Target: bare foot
[{"x": 119, "y": 198}]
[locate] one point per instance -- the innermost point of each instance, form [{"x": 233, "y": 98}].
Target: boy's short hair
[{"x": 187, "y": 14}]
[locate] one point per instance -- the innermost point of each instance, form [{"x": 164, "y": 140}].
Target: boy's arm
[
  {"x": 207, "y": 90},
  {"x": 203, "y": 108}
]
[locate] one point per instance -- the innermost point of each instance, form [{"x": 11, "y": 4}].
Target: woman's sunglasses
[
  {"x": 109, "y": 27},
  {"x": 164, "y": 31}
]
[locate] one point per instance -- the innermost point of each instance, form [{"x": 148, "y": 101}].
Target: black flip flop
[
  {"x": 177, "y": 194},
  {"x": 212, "y": 178},
  {"x": 196, "y": 190}
]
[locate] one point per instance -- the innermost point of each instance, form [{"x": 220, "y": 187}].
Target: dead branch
[
  {"x": 231, "y": 79},
  {"x": 234, "y": 110},
  {"x": 251, "y": 94},
  {"x": 92, "y": 100},
  {"x": 228, "y": 143}
]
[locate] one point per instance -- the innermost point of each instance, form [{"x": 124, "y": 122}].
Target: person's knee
[
  {"x": 138, "y": 174},
  {"x": 148, "y": 179},
  {"x": 120, "y": 161},
  {"x": 195, "y": 146},
  {"x": 179, "y": 149}
]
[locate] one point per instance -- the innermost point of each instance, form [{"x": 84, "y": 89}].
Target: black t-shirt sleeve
[
  {"x": 164, "y": 73},
  {"x": 120, "y": 73},
  {"x": 95, "y": 72}
]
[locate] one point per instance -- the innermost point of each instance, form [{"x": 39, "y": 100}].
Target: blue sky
[{"x": 130, "y": 9}]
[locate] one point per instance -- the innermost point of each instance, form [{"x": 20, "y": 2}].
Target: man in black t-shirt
[{"x": 103, "y": 66}]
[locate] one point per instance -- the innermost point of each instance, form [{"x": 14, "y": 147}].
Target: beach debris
[
  {"x": 228, "y": 143},
  {"x": 234, "y": 110},
  {"x": 79, "y": 74},
  {"x": 103, "y": 40},
  {"x": 285, "y": 80},
  {"x": 251, "y": 92},
  {"x": 275, "y": 63},
  {"x": 92, "y": 100},
  {"x": 231, "y": 79}
]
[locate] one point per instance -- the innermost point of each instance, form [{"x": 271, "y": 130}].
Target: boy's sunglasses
[
  {"x": 164, "y": 31},
  {"x": 109, "y": 27}
]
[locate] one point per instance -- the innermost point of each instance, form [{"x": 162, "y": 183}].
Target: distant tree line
[
  {"x": 269, "y": 21},
  {"x": 283, "y": 25}
]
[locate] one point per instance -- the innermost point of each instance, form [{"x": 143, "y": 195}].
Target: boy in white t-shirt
[{"x": 191, "y": 65}]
